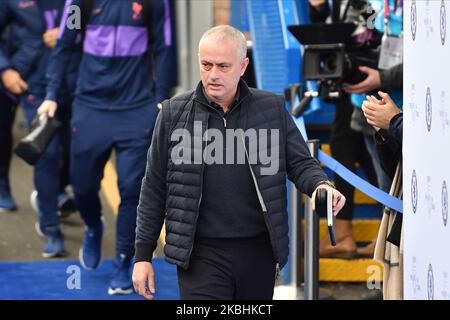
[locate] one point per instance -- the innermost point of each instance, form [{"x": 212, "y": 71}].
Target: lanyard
[{"x": 397, "y": 6}]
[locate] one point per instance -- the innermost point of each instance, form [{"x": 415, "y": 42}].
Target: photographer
[
  {"x": 389, "y": 77},
  {"x": 347, "y": 145},
  {"x": 389, "y": 80}
]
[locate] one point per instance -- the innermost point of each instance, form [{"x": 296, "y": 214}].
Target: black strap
[
  {"x": 86, "y": 12},
  {"x": 174, "y": 120},
  {"x": 147, "y": 8},
  {"x": 336, "y": 11},
  {"x": 347, "y": 7}
]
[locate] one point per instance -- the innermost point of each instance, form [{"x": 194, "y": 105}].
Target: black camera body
[{"x": 324, "y": 61}]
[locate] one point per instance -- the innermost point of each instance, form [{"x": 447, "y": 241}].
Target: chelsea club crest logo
[
  {"x": 414, "y": 191},
  {"x": 413, "y": 19},
  {"x": 430, "y": 283},
  {"x": 443, "y": 23},
  {"x": 444, "y": 203},
  {"x": 428, "y": 110}
]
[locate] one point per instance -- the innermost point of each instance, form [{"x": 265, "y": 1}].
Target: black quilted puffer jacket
[{"x": 173, "y": 192}]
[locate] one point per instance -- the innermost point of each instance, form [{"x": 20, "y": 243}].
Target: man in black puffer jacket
[{"x": 225, "y": 211}]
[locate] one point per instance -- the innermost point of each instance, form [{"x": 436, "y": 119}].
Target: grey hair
[{"x": 226, "y": 32}]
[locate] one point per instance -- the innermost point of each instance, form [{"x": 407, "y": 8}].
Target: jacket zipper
[
  {"x": 198, "y": 208},
  {"x": 198, "y": 212},
  {"x": 223, "y": 118},
  {"x": 115, "y": 36},
  {"x": 114, "y": 49},
  {"x": 115, "y": 42}
]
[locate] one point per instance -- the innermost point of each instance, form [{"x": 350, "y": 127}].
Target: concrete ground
[{"x": 18, "y": 238}]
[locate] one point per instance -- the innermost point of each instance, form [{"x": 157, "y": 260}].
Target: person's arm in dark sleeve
[
  {"x": 27, "y": 57},
  {"x": 319, "y": 13},
  {"x": 164, "y": 50},
  {"x": 396, "y": 128},
  {"x": 152, "y": 201},
  {"x": 62, "y": 53},
  {"x": 30, "y": 29},
  {"x": 392, "y": 78},
  {"x": 12, "y": 84},
  {"x": 302, "y": 169},
  {"x": 5, "y": 64},
  {"x": 389, "y": 151}
]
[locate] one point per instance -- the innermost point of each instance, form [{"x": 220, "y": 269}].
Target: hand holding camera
[{"x": 371, "y": 83}]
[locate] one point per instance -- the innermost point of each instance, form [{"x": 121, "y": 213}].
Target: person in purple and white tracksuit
[
  {"x": 51, "y": 170},
  {"x": 115, "y": 107}
]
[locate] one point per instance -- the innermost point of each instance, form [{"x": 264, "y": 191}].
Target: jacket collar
[{"x": 243, "y": 89}]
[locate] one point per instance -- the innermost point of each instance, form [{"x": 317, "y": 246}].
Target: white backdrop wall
[{"x": 426, "y": 149}]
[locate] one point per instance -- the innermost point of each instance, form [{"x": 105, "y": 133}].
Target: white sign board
[{"x": 426, "y": 149}]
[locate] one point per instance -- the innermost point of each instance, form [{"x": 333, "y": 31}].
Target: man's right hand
[
  {"x": 316, "y": 3},
  {"x": 144, "y": 279},
  {"x": 48, "y": 107},
  {"x": 13, "y": 82}
]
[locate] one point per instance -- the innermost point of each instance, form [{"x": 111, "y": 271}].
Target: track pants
[
  {"x": 51, "y": 172},
  {"x": 95, "y": 133}
]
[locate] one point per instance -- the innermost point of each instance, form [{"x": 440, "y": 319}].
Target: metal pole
[
  {"x": 300, "y": 271},
  {"x": 311, "y": 241},
  {"x": 296, "y": 262},
  {"x": 296, "y": 272},
  {"x": 293, "y": 204}
]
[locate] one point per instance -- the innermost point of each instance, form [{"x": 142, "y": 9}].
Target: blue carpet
[{"x": 48, "y": 280}]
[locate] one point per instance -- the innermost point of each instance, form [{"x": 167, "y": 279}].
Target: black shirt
[
  {"x": 229, "y": 207},
  {"x": 217, "y": 107}
]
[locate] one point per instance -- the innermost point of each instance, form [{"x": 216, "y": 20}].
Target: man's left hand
[
  {"x": 338, "y": 198},
  {"x": 371, "y": 83}
]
